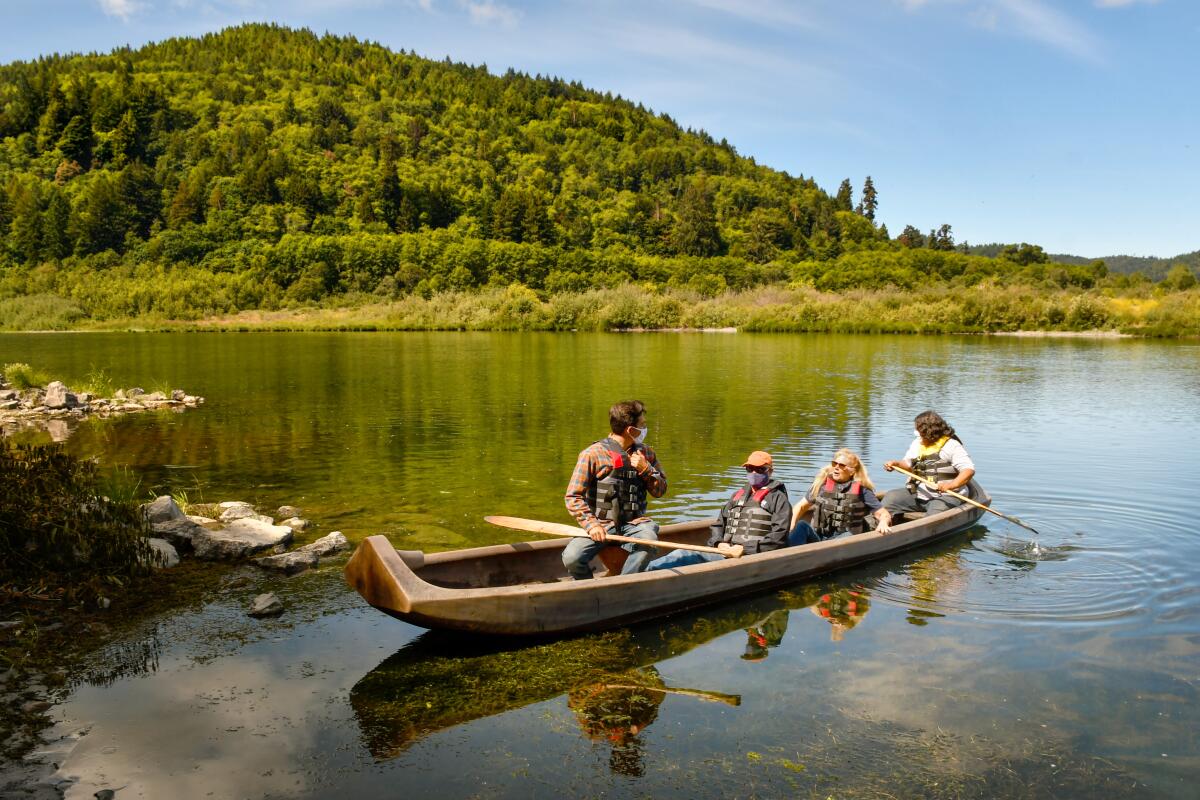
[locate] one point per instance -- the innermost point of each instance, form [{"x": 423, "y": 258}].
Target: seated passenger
[
  {"x": 938, "y": 455},
  {"x": 755, "y": 520},
  {"x": 842, "y": 499}
]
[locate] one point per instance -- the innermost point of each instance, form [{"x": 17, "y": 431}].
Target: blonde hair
[{"x": 860, "y": 471}]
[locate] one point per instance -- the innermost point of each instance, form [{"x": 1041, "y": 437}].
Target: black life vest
[
  {"x": 932, "y": 467},
  {"x": 748, "y": 521},
  {"x": 838, "y": 508},
  {"x": 621, "y": 494}
]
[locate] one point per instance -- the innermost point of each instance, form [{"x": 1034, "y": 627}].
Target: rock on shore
[
  {"x": 305, "y": 557},
  {"x": 239, "y": 532},
  {"x": 55, "y": 408}
]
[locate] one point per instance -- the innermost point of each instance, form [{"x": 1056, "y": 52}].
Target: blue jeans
[
  {"x": 803, "y": 533},
  {"x": 579, "y": 552},
  {"x": 684, "y": 558}
]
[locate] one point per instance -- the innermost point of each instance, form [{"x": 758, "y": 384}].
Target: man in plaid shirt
[{"x": 607, "y": 492}]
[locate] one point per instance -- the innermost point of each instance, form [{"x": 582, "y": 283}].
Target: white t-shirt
[{"x": 951, "y": 451}]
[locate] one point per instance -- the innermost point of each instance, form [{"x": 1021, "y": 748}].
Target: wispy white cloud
[
  {"x": 489, "y": 12},
  {"x": 763, "y": 12},
  {"x": 120, "y": 8},
  {"x": 1033, "y": 19},
  {"x": 1123, "y": 3},
  {"x": 1037, "y": 20},
  {"x": 687, "y": 47}
]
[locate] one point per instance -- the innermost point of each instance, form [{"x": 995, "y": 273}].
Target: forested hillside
[{"x": 266, "y": 168}]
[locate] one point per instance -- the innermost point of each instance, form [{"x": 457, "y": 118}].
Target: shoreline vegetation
[{"x": 937, "y": 309}]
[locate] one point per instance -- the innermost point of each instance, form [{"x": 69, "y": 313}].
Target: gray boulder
[
  {"x": 162, "y": 509},
  {"x": 56, "y": 395},
  {"x": 236, "y": 509},
  {"x": 287, "y": 512},
  {"x": 327, "y": 545},
  {"x": 178, "y": 394},
  {"x": 290, "y": 563},
  {"x": 168, "y": 555},
  {"x": 297, "y": 524},
  {"x": 305, "y": 557},
  {"x": 182, "y": 533},
  {"x": 242, "y": 537},
  {"x": 266, "y": 605},
  {"x": 206, "y": 522}
]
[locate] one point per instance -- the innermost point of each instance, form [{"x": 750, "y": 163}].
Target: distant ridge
[{"x": 1151, "y": 266}]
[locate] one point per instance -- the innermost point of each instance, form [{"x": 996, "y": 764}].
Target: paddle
[
  {"x": 558, "y": 529},
  {"x": 699, "y": 694},
  {"x": 964, "y": 498}
]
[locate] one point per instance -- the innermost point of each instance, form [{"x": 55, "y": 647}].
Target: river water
[{"x": 978, "y": 667}]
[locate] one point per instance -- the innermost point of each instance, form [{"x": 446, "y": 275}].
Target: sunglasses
[
  {"x": 759, "y": 470},
  {"x": 837, "y": 464}
]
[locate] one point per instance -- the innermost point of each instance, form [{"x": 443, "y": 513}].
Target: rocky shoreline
[
  {"x": 235, "y": 530},
  {"x": 35, "y": 747},
  {"x": 55, "y": 407}
]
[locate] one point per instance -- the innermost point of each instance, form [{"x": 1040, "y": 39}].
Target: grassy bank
[{"x": 984, "y": 308}]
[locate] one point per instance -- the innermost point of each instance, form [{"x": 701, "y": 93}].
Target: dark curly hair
[
  {"x": 625, "y": 414},
  {"x": 931, "y": 427}
]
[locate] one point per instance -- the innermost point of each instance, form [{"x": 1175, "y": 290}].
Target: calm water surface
[{"x": 979, "y": 667}]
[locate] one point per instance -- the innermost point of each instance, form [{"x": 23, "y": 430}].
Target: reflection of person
[
  {"x": 618, "y": 713},
  {"x": 844, "y": 608},
  {"x": 842, "y": 499},
  {"x": 755, "y": 520},
  {"x": 607, "y": 492},
  {"x": 767, "y": 632},
  {"x": 938, "y": 455}
]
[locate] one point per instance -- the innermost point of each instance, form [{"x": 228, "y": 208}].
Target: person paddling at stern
[
  {"x": 755, "y": 520},
  {"x": 608, "y": 489},
  {"x": 937, "y": 454}
]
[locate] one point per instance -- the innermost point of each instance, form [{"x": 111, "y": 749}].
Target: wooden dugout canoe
[{"x": 519, "y": 590}]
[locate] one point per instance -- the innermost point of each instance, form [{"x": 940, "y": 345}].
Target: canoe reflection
[{"x": 443, "y": 679}]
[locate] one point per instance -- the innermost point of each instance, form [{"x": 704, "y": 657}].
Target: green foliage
[
  {"x": 259, "y": 131},
  {"x": 59, "y": 535},
  {"x": 38, "y": 312},
  {"x": 22, "y": 376},
  {"x": 1179, "y": 279}
]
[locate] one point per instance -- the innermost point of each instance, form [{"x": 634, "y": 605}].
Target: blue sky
[{"x": 1071, "y": 124}]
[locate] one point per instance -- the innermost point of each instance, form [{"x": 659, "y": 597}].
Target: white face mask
[
  {"x": 641, "y": 437},
  {"x": 916, "y": 433}
]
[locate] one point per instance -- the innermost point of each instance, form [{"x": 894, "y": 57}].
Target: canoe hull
[{"x": 422, "y": 591}]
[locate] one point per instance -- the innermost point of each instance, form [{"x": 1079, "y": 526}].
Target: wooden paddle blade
[{"x": 535, "y": 526}]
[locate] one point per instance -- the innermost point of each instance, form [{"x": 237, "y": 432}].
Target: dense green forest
[{"x": 267, "y": 168}]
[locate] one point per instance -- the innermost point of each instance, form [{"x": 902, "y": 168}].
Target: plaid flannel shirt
[{"x": 594, "y": 463}]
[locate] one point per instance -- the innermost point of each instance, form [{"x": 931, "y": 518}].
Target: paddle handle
[
  {"x": 964, "y": 498},
  {"x": 933, "y": 484},
  {"x": 558, "y": 529}
]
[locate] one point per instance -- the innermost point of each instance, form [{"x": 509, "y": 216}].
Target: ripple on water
[{"x": 1064, "y": 576}]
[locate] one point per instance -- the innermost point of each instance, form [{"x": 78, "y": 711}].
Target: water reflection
[
  {"x": 441, "y": 679},
  {"x": 615, "y": 711},
  {"x": 766, "y": 633},
  {"x": 843, "y": 609}
]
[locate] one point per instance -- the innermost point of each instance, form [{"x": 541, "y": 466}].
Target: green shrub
[
  {"x": 38, "y": 312},
  {"x": 23, "y": 376},
  {"x": 59, "y": 534}
]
